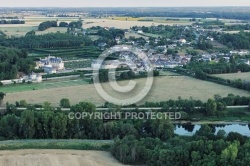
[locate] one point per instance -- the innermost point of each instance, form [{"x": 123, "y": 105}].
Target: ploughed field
[{"x": 164, "y": 88}]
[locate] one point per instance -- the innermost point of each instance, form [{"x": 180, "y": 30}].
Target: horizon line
[{"x": 116, "y": 6}]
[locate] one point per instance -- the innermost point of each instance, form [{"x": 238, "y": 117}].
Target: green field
[
  {"x": 56, "y": 144},
  {"x": 234, "y": 76},
  {"x": 41, "y": 86}
]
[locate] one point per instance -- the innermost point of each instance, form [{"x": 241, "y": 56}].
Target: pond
[{"x": 190, "y": 129}]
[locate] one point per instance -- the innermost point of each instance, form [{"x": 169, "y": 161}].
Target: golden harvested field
[
  {"x": 123, "y": 24},
  {"x": 57, "y": 158},
  {"x": 234, "y": 76},
  {"x": 11, "y": 30},
  {"x": 31, "y": 23},
  {"x": 164, "y": 88}
]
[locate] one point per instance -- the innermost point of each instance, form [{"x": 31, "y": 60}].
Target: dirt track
[{"x": 57, "y": 158}]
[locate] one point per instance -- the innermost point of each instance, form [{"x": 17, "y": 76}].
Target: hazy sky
[{"x": 120, "y": 3}]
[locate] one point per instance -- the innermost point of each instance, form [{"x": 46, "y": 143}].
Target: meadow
[
  {"x": 41, "y": 86},
  {"x": 164, "y": 88},
  {"x": 234, "y": 76}
]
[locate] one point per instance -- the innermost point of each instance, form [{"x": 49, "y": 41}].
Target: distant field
[
  {"x": 52, "y": 30},
  {"x": 132, "y": 34},
  {"x": 234, "y": 76},
  {"x": 31, "y": 23},
  {"x": 164, "y": 88},
  {"x": 22, "y": 30},
  {"x": 44, "y": 157},
  {"x": 16, "y": 30},
  {"x": 123, "y": 24}
]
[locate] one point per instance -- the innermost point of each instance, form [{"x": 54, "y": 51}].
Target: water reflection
[{"x": 190, "y": 129}]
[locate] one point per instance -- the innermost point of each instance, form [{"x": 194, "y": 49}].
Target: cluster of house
[
  {"x": 50, "y": 64},
  {"x": 32, "y": 77},
  {"x": 168, "y": 61},
  {"x": 125, "y": 59}
]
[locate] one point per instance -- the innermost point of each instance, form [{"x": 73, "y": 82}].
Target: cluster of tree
[
  {"x": 1, "y": 95},
  {"x": 46, "y": 41},
  {"x": 124, "y": 75},
  {"x": 75, "y": 24},
  {"x": 2, "y": 35},
  {"x": 13, "y": 61},
  {"x": 47, "y": 24},
  {"x": 107, "y": 36},
  {"x": 63, "y": 24},
  {"x": 204, "y": 148},
  {"x": 12, "y": 22},
  {"x": 204, "y": 45},
  {"x": 239, "y": 40}
]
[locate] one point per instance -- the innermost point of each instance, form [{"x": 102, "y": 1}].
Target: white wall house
[{"x": 51, "y": 64}]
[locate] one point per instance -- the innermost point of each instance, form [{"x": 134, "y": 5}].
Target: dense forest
[{"x": 13, "y": 61}]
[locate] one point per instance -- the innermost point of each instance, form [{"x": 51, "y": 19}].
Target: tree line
[
  {"x": 54, "y": 123},
  {"x": 49, "y": 40},
  {"x": 12, "y": 22},
  {"x": 48, "y": 24}
]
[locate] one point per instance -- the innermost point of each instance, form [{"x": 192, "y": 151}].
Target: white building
[
  {"x": 183, "y": 41},
  {"x": 51, "y": 64},
  {"x": 210, "y": 38},
  {"x": 32, "y": 77},
  {"x": 140, "y": 32}
]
